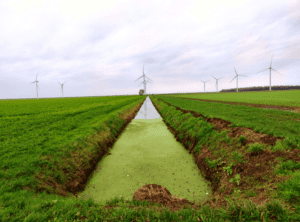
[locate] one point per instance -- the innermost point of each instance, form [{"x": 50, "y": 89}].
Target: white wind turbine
[
  {"x": 236, "y": 79},
  {"x": 36, "y": 82},
  {"x": 217, "y": 81},
  {"x": 204, "y": 84},
  {"x": 144, "y": 80},
  {"x": 270, "y": 72},
  {"x": 62, "y": 90}
]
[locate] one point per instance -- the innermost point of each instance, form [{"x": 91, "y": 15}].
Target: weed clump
[
  {"x": 236, "y": 179},
  {"x": 238, "y": 157},
  {"x": 212, "y": 163},
  {"x": 278, "y": 146},
  {"x": 242, "y": 139},
  {"x": 287, "y": 166},
  {"x": 255, "y": 148}
]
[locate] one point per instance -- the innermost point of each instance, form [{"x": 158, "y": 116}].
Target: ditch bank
[
  {"x": 236, "y": 160},
  {"x": 145, "y": 155},
  {"x": 68, "y": 174}
]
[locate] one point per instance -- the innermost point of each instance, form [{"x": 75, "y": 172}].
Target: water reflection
[{"x": 147, "y": 111}]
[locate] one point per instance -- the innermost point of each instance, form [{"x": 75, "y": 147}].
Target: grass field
[
  {"x": 272, "y": 122},
  {"x": 36, "y": 134},
  {"x": 280, "y": 98},
  {"x": 47, "y": 145}
]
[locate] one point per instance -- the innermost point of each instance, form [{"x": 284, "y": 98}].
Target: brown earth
[{"x": 157, "y": 193}]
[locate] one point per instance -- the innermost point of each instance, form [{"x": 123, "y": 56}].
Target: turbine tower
[
  {"x": 144, "y": 80},
  {"x": 145, "y": 85},
  {"x": 217, "y": 81},
  {"x": 62, "y": 90},
  {"x": 270, "y": 72},
  {"x": 204, "y": 84},
  {"x": 36, "y": 82},
  {"x": 236, "y": 79}
]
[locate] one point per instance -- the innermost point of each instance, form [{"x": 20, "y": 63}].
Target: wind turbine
[
  {"x": 144, "y": 80},
  {"x": 204, "y": 84},
  {"x": 36, "y": 82},
  {"x": 62, "y": 90},
  {"x": 217, "y": 81},
  {"x": 236, "y": 79},
  {"x": 270, "y": 71}
]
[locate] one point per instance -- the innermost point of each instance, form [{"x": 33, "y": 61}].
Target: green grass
[
  {"x": 272, "y": 122},
  {"x": 279, "y": 98}
]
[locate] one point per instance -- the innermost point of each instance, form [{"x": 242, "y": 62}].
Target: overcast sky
[{"x": 99, "y": 47}]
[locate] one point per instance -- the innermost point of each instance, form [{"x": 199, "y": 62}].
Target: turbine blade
[
  {"x": 263, "y": 70},
  {"x": 64, "y": 82},
  {"x": 36, "y": 76},
  {"x": 148, "y": 78},
  {"x": 138, "y": 78},
  {"x": 233, "y": 79},
  {"x": 235, "y": 70},
  {"x": 214, "y": 77},
  {"x": 242, "y": 75},
  {"x": 276, "y": 71},
  {"x": 271, "y": 61},
  {"x": 59, "y": 82}
]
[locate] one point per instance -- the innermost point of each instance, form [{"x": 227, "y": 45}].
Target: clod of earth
[{"x": 157, "y": 193}]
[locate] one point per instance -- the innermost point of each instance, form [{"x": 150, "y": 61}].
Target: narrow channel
[{"x": 146, "y": 153}]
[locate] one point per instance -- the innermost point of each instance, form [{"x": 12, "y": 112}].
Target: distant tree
[{"x": 141, "y": 92}]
